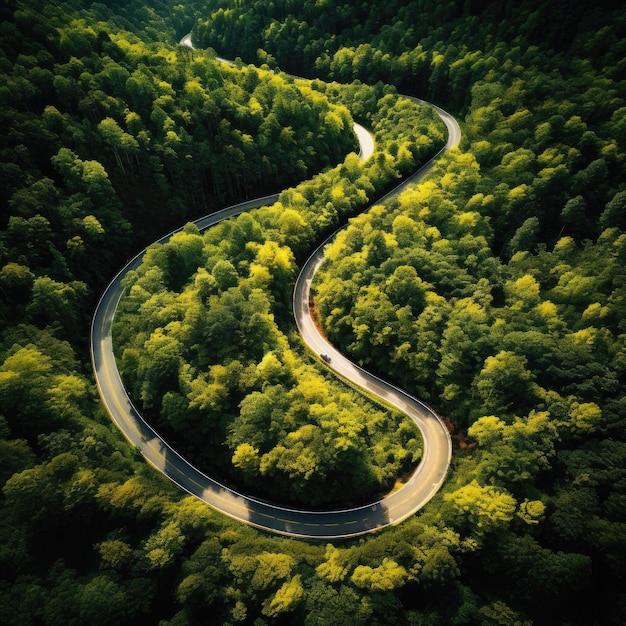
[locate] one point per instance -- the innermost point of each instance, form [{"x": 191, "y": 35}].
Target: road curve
[
  {"x": 421, "y": 486},
  {"x": 431, "y": 472}
]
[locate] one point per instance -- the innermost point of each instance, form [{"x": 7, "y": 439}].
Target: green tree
[
  {"x": 483, "y": 510},
  {"x": 342, "y": 606},
  {"x": 525, "y": 237},
  {"x": 387, "y": 576},
  {"x": 505, "y": 382},
  {"x": 24, "y": 381},
  {"x": 102, "y": 601},
  {"x": 514, "y": 453},
  {"x": 614, "y": 211},
  {"x": 287, "y": 598}
]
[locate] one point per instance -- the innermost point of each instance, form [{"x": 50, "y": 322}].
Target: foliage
[
  {"x": 202, "y": 350},
  {"x": 495, "y": 290}
]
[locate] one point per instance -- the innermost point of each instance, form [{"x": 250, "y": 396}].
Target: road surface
[{"x": 418, "y": 490}]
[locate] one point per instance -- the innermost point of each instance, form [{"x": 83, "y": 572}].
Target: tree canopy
[{"x": 494, "y": 290}]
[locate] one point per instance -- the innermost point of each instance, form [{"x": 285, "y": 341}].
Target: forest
[
  {"x": 201, "y": 349},
  {"x": 495, "y": 290}
]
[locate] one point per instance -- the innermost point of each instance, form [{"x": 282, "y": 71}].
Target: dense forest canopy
[
  {"x": 495, "y": 290},
  {"x": 202, "y": 352}
]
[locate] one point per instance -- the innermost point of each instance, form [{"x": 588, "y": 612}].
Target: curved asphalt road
[{"x": 422, "y": 485}]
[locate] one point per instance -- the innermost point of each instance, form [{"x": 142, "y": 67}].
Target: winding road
[{"x": 413, "y": 495}]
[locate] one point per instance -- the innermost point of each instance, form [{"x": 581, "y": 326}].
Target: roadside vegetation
[{"x": 202, "y": 337}]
